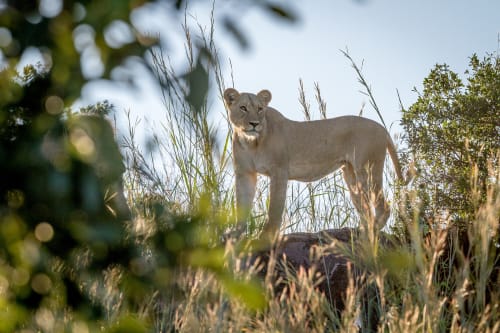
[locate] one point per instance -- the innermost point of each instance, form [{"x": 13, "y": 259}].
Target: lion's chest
[
  {"x": 261, "y": 162},
  {"x": 262, "y": 167},
  {"x": 252, "y": 159}
]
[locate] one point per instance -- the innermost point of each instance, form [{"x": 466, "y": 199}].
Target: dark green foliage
[
  {"x": 65, "y": 225},
  {"x": 67, "y": 241},
  {"x": 453, "y": 135},
  {"x": 54, "y": 36},
  {"x": 57, "y": 229},
  {"x": 65, "y": 37}
]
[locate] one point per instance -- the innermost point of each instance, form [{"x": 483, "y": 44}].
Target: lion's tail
[{"x": 395, "y": 160}]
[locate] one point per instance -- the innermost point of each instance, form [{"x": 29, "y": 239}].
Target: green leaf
[
  {"x": 128, "y": 324},
  {"x": 250, "y": 292},
  {"x": 281, "y": 12},
  {"x": 197, "y": 80},
  {"x": 233, "y": 29}
]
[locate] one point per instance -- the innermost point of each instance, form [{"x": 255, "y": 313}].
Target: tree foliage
[
  {"x": 453, "y": 135},
  {"x": 57, "y": 228},
  {"x": 85, "y": 40},
  {"x": 68, "y": 252},
  {"x": 68, "y": 249}
]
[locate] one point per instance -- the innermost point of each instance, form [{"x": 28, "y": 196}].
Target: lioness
[{"x": 266, "y": 142}]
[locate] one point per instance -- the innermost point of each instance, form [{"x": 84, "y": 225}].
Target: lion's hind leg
[
  {"x": 382, "y": 210},
  {"x": 356, "y": 182},
  {"x": 366, "y": 190}
]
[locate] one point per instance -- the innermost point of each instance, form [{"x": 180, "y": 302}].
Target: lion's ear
[
  {"x": 230, "y": 95},
  {"x": 265, "y": 96}
]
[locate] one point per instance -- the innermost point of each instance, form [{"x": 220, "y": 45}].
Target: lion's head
[{"x": 247, "y": 112}]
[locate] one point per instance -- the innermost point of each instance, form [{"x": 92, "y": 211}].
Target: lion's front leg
[
  {"x": 245, "y": 191},
  {"x": 276, "y": 205}
]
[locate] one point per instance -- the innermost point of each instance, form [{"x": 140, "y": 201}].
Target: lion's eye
[
  {"x": 260, "y": 109},
  {"x": 243, "y": 108}
]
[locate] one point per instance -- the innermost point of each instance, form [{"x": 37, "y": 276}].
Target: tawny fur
[{"x": 267, "y": 143}]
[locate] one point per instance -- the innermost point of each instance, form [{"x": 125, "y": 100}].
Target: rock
[
  {"x": 334, "y": 270},
  {"x": 304, "y": 250}
]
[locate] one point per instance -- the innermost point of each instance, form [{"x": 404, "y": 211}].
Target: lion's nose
[{"x": 254, "y": 123}]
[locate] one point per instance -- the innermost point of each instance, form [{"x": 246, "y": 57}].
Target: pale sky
[{"x": 398, "y": 42}]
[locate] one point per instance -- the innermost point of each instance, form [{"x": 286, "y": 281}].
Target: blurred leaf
[
  {"x": 11, "y": 315},
  {"x": 398, "y": 261},
  {"x": 197, "y": 80},
  {"x": 250, "y": 292},
  {"x": 212, "y": 259},
  {"x": 128, "y": 324},
  {"x": 281, "y": 12},
  {"x": 178, "y": 4},
  {"x": 232, "y": 28},
  {"x": 93, "y": 137}
]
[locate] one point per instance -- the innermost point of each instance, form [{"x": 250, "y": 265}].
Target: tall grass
[
  {"x": 322, "y": 204},
  {"x": 415, "y": 281}
]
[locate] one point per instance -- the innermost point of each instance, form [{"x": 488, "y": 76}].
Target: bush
[{"x": 452, "y": 135}]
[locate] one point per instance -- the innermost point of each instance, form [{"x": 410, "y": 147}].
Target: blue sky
[{"x": 398, "y": 43}]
